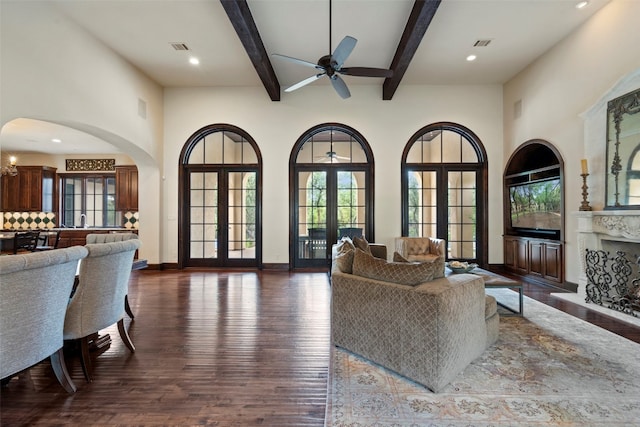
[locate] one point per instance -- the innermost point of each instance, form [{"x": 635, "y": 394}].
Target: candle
[{"x": 585, "y": 170}]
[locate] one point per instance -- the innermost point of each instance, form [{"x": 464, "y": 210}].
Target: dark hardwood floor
[{"x": 213, "y": 348}]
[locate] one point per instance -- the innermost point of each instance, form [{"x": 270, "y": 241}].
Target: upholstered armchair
[
  {"x": 96, "y": 304},
  {"x": 423, "y": 249},
  {"x": 34, "y": 292}
]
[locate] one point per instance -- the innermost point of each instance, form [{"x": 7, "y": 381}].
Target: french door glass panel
[
  {"x": 423, "y": 191},
  {"x": 312, "y": 215},
  {"x": 351, "y": 199},
  {"x": 204, "y": 215},
  {"x": 462, "y": 237},
  {"x": 241, "y": 215}
]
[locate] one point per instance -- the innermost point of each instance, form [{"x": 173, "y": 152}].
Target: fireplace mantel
[{"x": 594, "y": 227}]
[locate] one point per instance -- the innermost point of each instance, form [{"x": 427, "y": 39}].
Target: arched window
[
  {"x": 220, "y": 179},
  {"x": 331, "y": 183},
  {"x": 444, "y": 188}
]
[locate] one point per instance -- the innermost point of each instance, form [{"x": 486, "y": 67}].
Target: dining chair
[
  {"x": 114, "y": 237},
  {"x": 103, "y": 282},
  {"x": 25, "y": 241},
  {"x": 34, "y": 292},
  {"x": 43, "y": 242}
]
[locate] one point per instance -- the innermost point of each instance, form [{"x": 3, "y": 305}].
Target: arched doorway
[
  {"x": 331, "y": 192},
  {"x": 444, "y": 189},
  {"x": 220, "y": 199}
]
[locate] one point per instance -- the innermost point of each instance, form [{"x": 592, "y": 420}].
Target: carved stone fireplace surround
[{"x": 598, "y": 226}]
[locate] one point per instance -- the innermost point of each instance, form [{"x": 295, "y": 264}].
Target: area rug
[{"x": 547, "y": 368}]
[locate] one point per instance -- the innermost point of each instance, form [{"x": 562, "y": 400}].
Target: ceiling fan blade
[
  {"x": 340, "y": 86},
  {"x": 343, "y": 51},
  {"x": 297, "y": 61},
  {"x": 366, "y": 72},
  {"x": 304, "y": 82}
]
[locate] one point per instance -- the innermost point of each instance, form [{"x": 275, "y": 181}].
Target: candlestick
[
  {"x": 585, "y": 203},
  {"x": 585, "y": 169}
]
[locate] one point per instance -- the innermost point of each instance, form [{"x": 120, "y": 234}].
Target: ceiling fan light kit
[{"x": 332, "y": 66}]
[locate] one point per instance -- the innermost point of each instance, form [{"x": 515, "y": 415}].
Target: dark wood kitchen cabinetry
[
  {"x": 34, "y": 189},
  {"x": 126, "y": 188}
]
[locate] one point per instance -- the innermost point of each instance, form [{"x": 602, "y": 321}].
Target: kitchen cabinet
[
  {"x": 126, "y": 188},
  {"x": 32, "y": 190}
]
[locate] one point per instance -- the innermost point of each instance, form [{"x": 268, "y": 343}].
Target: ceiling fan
[
  {"x": 332, "y": 66},
  {"x": 330, "y": 157}
]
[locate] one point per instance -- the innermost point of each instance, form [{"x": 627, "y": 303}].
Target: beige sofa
[{"x": 428, "y": 332}]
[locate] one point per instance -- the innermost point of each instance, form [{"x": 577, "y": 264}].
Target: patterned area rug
[{"x": 546, "y": 369}]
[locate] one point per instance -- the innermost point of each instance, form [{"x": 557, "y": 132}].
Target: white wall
[
  {"x": 70, "y": 78},
  {"x": 387, "y": 126},
  {"x": 562, "y": 84}
]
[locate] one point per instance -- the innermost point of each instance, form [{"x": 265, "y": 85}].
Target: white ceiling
[{"x": 142, "y": 31}]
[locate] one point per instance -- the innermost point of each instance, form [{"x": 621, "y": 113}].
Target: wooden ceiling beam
[
  {"x": 417, "y": 24},
  {"x": 242, "y": 21}
]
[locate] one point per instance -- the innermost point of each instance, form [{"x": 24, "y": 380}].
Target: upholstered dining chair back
[
  {"x": 114, "y": 237},
  {"x": 97, "y": 303},
  {"x": 109, "y": 237},
  {"x": 34, "y": 292}
]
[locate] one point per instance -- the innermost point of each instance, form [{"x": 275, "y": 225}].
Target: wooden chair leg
[
  {"x": 60, "y": 369},
  {"x": 85, "y": 358},
  {"x": 127, "y": 307},
  {"x": 125, "y": 336}
]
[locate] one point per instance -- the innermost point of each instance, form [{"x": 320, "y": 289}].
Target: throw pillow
[
  {"x": 361, "y": 243},
  {"x": 366, "y": 265},
  {"x": 399, "y": 258},
  {"x": 344, "y": 255}
]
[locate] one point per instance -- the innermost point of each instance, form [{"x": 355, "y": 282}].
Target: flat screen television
[{"x": 536, "y": 205}]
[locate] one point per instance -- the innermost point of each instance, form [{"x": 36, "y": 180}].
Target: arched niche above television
[
  {"x": 534, "y": 212},
  {"x": 534, "y": 191}
]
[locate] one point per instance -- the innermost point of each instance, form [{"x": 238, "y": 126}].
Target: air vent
[
  {"x": 179, "y": 46},
  {"x": 482, "y": 43}
]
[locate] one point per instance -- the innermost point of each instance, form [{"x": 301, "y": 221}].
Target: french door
[
  {"x": 220, "y": 198},
  {"x": 444, "y": 190},
  {"x": 222, "y": 217},
  {"x": 332, "y": 203},
  {"x": 443, "y": 202}
]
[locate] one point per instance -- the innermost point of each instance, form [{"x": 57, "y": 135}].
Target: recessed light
[
  {"x": 56, "y": 140},
  {"x": 581, "y": 4},
  {"x": 194, "y": 61},
  {"x": 471, "y": 58}
]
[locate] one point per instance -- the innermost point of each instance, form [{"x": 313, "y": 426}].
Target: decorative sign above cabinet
[{"x": 90, "y": 165}]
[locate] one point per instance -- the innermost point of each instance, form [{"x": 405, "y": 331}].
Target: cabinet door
[
  {"x": 553, "y": 262},
  {"x": 126, "y": 188},
  {"x": 522, "y": 259},
  {"x": 32, "y": 190},
  {"x": 10, "y": 193},
  {"x": 510, "y": 253},
  {"x": 536, "y": 261}
]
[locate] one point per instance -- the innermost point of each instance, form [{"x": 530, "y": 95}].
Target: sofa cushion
[
  {"x": 361, "y": 243},
  {"x": 344, "y": 259},
  {"x": 399, "y": 258},
  {"x": 437, "y": 260},
  {"x": 366, "y": 265}
]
